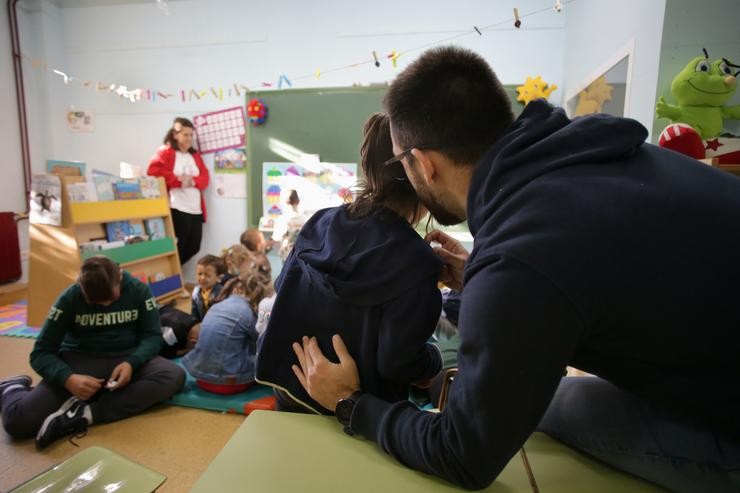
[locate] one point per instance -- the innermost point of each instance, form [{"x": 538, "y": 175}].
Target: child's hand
[
  {"x": 83, "y": 386},
  {"x": 121, "y": 375}
]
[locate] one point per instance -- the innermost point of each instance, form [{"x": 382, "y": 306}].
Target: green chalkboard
[{"x": 326, "y": 121}]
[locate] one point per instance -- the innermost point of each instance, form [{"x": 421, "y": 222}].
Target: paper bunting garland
[{"x": 187, "y": 95}]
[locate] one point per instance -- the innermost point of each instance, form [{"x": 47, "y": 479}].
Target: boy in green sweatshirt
[{"x": 97, "y": 355}]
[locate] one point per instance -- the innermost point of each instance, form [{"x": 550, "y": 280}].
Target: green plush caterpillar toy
[{"x": 701, "y": 89}]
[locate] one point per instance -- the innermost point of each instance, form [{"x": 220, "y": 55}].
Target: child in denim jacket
[{"x": 224, "y": 357}]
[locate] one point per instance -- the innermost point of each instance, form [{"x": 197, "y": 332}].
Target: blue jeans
[{"x": 594, "y": 417}]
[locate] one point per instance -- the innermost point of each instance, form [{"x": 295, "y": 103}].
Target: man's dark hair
[
  {"x": 451, "y": 101},
  {"x": 216, "y": 262},
  {"x": 99, "y": 277},
  {"x": 381, "y": 185}
]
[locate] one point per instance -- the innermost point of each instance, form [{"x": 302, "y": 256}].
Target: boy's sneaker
[
  {"x": 68, "y": 420},
  {"x": 16, "y": 381}
]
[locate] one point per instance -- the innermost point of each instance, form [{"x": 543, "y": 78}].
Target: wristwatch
[{"x": 344, "y": 409}]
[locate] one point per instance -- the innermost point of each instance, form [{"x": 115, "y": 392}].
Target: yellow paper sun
[{"x": 534, "y": 89}]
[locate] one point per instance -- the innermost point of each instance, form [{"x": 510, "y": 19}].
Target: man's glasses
[{"x": 398, "y": 157}]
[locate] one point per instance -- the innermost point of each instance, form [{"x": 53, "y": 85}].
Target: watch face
[{"x": 343, "y": 411}]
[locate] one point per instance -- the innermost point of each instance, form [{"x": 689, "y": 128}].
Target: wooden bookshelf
[{"x": 55, "y": 256}]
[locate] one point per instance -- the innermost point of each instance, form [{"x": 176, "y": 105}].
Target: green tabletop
[
  {"x": 284, "y": 452},
  {"x": 95, "y": 469}
]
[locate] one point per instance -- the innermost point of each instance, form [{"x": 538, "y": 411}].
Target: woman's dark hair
[
  {"x": 449, "y": 100},
  {"x": 99, "y": 277},
  {"x": 382, "y": 185},
  {"x": 177, "y": 126},
  {"x": 293, "y": 198}
]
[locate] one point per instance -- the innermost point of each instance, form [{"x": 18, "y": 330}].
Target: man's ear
[{"x": 427, "y": 166}]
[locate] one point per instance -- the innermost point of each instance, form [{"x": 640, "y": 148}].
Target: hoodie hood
[
  {"x": 542, "y": 140},
  {"x": 350, "y": 258}
]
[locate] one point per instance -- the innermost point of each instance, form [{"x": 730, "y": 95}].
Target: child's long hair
[
  {"x": 234, "y": 257},
  {"x": 382, "y": 185},
  {"x": 255, "y": 286}
]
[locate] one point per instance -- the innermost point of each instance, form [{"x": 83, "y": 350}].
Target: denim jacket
[{"x": 225, "y": 351}]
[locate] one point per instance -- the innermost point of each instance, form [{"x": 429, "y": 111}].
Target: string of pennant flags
[{"x": 236, "y": 89}]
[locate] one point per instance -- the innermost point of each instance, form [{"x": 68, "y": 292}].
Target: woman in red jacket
[{"x": 186, "y": 177}]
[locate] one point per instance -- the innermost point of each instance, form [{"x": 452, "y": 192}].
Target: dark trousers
[
  {"x": 189, "y": 232},
  {"x": 602, "y": 420},
  {"x": 24, "y": 410}
]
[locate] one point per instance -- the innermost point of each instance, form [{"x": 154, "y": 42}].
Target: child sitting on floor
[
  {"x": 208, "y": 273},
  {"x": 223, "y": 358},
  {"x": 97, "y": 356},
  {"x": 254, "y": 241}
]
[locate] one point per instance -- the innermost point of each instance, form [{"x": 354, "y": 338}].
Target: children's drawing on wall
[
  {"x": 230, "y": 186},
  {"x": 319, "y": 185},
  {"x": 45, "y": 200},
  {"x": 80, "y": 121},
  {"x": 230, "y": 161}
]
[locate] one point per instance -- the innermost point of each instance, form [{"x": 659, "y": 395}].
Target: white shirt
[
  {"x": 263, "y": 313},
  {"x": 185, "y": 199}
]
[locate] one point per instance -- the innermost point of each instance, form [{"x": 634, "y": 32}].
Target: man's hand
[
  {"x": 326, "y": 382},
  {"x": 453, "y": 254},
  {"x": 121, "y": 375},
  {"x": 83, "y": 386}
]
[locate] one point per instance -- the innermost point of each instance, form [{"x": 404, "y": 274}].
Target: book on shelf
[
  {"x": 127, "y": 190},
  {"x": 157, "y": 276},
  {"x": 137, "y": 228},
  {"x": 104, "y": 184},
  {"x": 117, "y": 231},
  {"x": 81, "y": 192},
  {"x": 155, "y": 228},
  {"x": 112, "y": 244},
  {"x": 91, "y": 246},
  {"x": 141, "y": 276},
  {"x": 149, "y": 187}
]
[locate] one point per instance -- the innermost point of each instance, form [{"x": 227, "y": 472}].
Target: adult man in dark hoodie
[{"x": 592, "y": 249}]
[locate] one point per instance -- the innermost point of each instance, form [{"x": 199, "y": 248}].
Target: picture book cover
[
  {"x": 81, "y": 192},
  {"x": 149, "y": 187},
  {"x": 137, "y": 228},
  {"x": 58, "y": 167},
  {"x": 45, "y": 202},
  {"x": 104, "y": 184},
  {"x": 155, "y": 228},
  {"x": 127, "y": 190},
  {"x": 117, "y": 231}
]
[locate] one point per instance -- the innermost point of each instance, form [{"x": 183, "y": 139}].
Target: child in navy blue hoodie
[{"x": 361, "y": 271}]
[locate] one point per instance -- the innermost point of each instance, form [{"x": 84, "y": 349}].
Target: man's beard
[{"x": 436, "y": 207}]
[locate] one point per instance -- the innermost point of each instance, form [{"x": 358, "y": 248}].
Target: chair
[{"x": 447, "y": 379}]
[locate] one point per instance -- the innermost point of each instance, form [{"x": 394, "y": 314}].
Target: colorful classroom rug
[
  {"x": 13, "y": 321},
  {"x": 257, "y": 397}
]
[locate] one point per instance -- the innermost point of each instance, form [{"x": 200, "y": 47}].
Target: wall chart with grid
[{"x": 218, "y": 130}]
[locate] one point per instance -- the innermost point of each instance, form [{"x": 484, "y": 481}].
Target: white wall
[
  {"x": 597, "y": 29},
  {"x": 219, "y": 42}
]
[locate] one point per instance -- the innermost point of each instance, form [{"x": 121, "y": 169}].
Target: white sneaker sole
[{"x": 63, "y": 409}]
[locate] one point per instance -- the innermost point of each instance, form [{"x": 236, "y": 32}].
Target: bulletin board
[
  {"x": 324, "y": 121},
  {"x": 327, "y": 122}
]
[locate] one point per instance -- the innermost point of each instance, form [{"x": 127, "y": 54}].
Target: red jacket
[{"x": 162, "y": 164}]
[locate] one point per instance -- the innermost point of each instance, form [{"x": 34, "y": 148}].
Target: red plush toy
[{"x": 682, "y": 138}]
